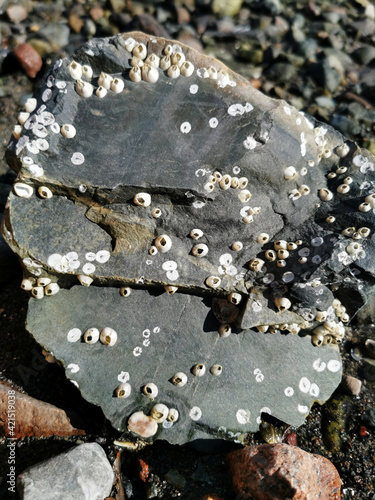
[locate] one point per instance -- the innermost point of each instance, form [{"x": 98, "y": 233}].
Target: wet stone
[{"x": 199, "y": 185}]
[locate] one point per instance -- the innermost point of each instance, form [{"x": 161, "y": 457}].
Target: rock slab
[
  {"x": 280, "y": 471},
  {"x": 33, "y": 418},
  {"x": 82, "y": 473}
]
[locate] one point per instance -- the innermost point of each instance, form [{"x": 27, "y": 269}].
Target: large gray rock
[
  {"x": 82, "y": 473},
  {"x": 303, "y": 262}
]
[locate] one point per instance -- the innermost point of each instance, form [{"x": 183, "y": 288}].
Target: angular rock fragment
[
  {"x": 80, "y": 473},
  {"x": 145, "y": 165},
  {"x": 279, "y": 471}
]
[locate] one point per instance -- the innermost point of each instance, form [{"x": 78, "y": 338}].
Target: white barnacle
[
  {"x": 263, "y": 328},
  {"x": 341, "y": 170},
  {"x": 225, "y": 182},
  {"x": 179, "y": 379},
  {"x": 200, "y": 250},
  {"x": 237, "y": 246},
  {"x": 168, "y": 50},
  {"x": 153, "y": 250},
  {"x": 159, "y": 413},
  {"x": 348, "y": 180},
  {"x": 216, "y": 370},
  {"x": 270, "y": 255},
  {"x": 101, "y": 92},
  {"x": 17, "y": 130},
  {"x": 303, "y": 171},
  {"x": 123, "y": 390},
  {"x": 22, "y": 117},
  {"x": 282, "y": 303},
  {"x": 170, "y": 289},
  {"x": 68, "y": 131},
  {"x": 291, "y": 245},
  {"x": 353, "y": 248},
  {"x": 290, "y": 173},
  {"x": 51, "y": 289},
  {"x": 150, "y": 390},
  {"x": 235, "y": 298},
  {"x": 87, "y": 71},
  {"x": 156, "y": 213},
  {"x": 140, "y": 51},
  {"x": 165, "y": 63},
  {"x": 108, "y": 336},
  {"x": 142, "y": 199},
  {"x": 263, "y": 238},
  {"x": 135, "y": 74},
  {"x": 348, "y": 231},
  {"x": 212, "y": 71},
  {"x": 325, "y": 194},
  {"x": 321, "y": 316},
  {"x": 84, "y": 89},
  {"x": 105, "y": 80},
  {"x": 178, "y": 59},
  {"x": 281, "y": 263},
  {"x": 85, "y": 280},
  {"x": 330, "y": 219},
  {"x": 137, "y": 62},
  {"x": 172, "y": 415},
  {"x": 317, "y": 339},
  {"x": 44, "y": 192},
  {"x": 91, "y": 336},
  {"x": 244, "y": 195},
  {"x": 342, "y": 150},
  {"x": 213, "y": 281},
  {"x": 234, "y": 183},
  {"x": 343, "y": 188},
  {"x": 149, "y": 73},
  {"x": 27, "y": 284},
  {"x": 282, "y": 253},
  {"x": 129, "y": 43},
  {"x": 37, "y": 292},
  {"x": 304, "y": 189},
  {"x": 198, "y": 370},
  {"x": 243, "y": 182},
  {"x": 75, "y": 70},
  {"x": 163, "y": 243},
  {"x": 173, "y": 71},
  {"x": 125, "y": 291},
  {"x": 364, "y": 207},
  {"x": 218, "y": 176},
  {"x": 209, "y": 187},
  {"x": 117, "y": 85},
  {"x": 30, "y": 104},
  {"x": 256, "y": 264},
  {"x": 364, "y": 232},
  {"x": 196, "y": 234},
  {"x": 225, "y": 330},
  {"x": 280, "y": 245},
  {"x": 153, "y": 60},
  {"x": 356, "y": 236},
  {"x": 331, "y": 175},
  {"x": 187, "y": 69},
  {"x": 294, "y": 194},
  {"x": 371, "y": 200},
  {"x": 23, "y": 190}
]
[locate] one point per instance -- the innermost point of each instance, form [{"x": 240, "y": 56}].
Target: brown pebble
[
  {"x": 76, "y": 23},
  {"x": 96, "y": 13},
  {"x": 351, "y": 385},
  {"x": 183, "y": 15},
  {"x": 29, "y": 58}
]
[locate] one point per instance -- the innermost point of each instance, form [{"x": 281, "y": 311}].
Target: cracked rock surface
[{"x": 258, "y": 215}]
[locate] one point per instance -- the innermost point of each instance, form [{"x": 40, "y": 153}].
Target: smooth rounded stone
[
  {"x": 351, "y": 385},
  {"x": 279, "y": 471},
  {"x": 364, "y": 55},
  {"x": 159, "y": 336},
  {"x": 29, "y": 59},
  {"x": 226, "y": 7},
  {"x": 82, "y": 473},
  {"x": 325, "y": 76}
]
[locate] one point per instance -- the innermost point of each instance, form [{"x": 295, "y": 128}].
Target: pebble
[{"x": 29, "y": 59}]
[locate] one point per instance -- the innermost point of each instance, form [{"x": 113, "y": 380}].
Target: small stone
[
  {"x": 279, "y": 471},
  {"x": 17, "y": 13},
  {"x": 96, "y": 13},
  {"x": 82, "y": 473},
  {"x": 29, "y": 58},
  {"x": 226, "y": 7},
  {"x": 76, "y": 23},
  {"x": 351, "y": 385},
  {"x": 369, "y": 418},
  {"x": 370, "y": 348},
  {"x": 34, "y": 418}
]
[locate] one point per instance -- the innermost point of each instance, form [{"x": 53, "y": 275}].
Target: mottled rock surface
[
  {"x": 280, "y": 471},
  {"x": 33, "y": 418},
  {"x": 82, "y": 473},
  {"x": 283, "y": 204}
]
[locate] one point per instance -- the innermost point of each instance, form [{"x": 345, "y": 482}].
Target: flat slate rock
[
  {"x": 159, "y": 336},
  {"x": 248, "y": 195}
]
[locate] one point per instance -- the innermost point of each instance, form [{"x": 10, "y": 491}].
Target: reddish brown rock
[
  {"x": 29, "y": 58},
  {"x": 280, "y": 471},
  {"x": 23, "y": 416}
]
